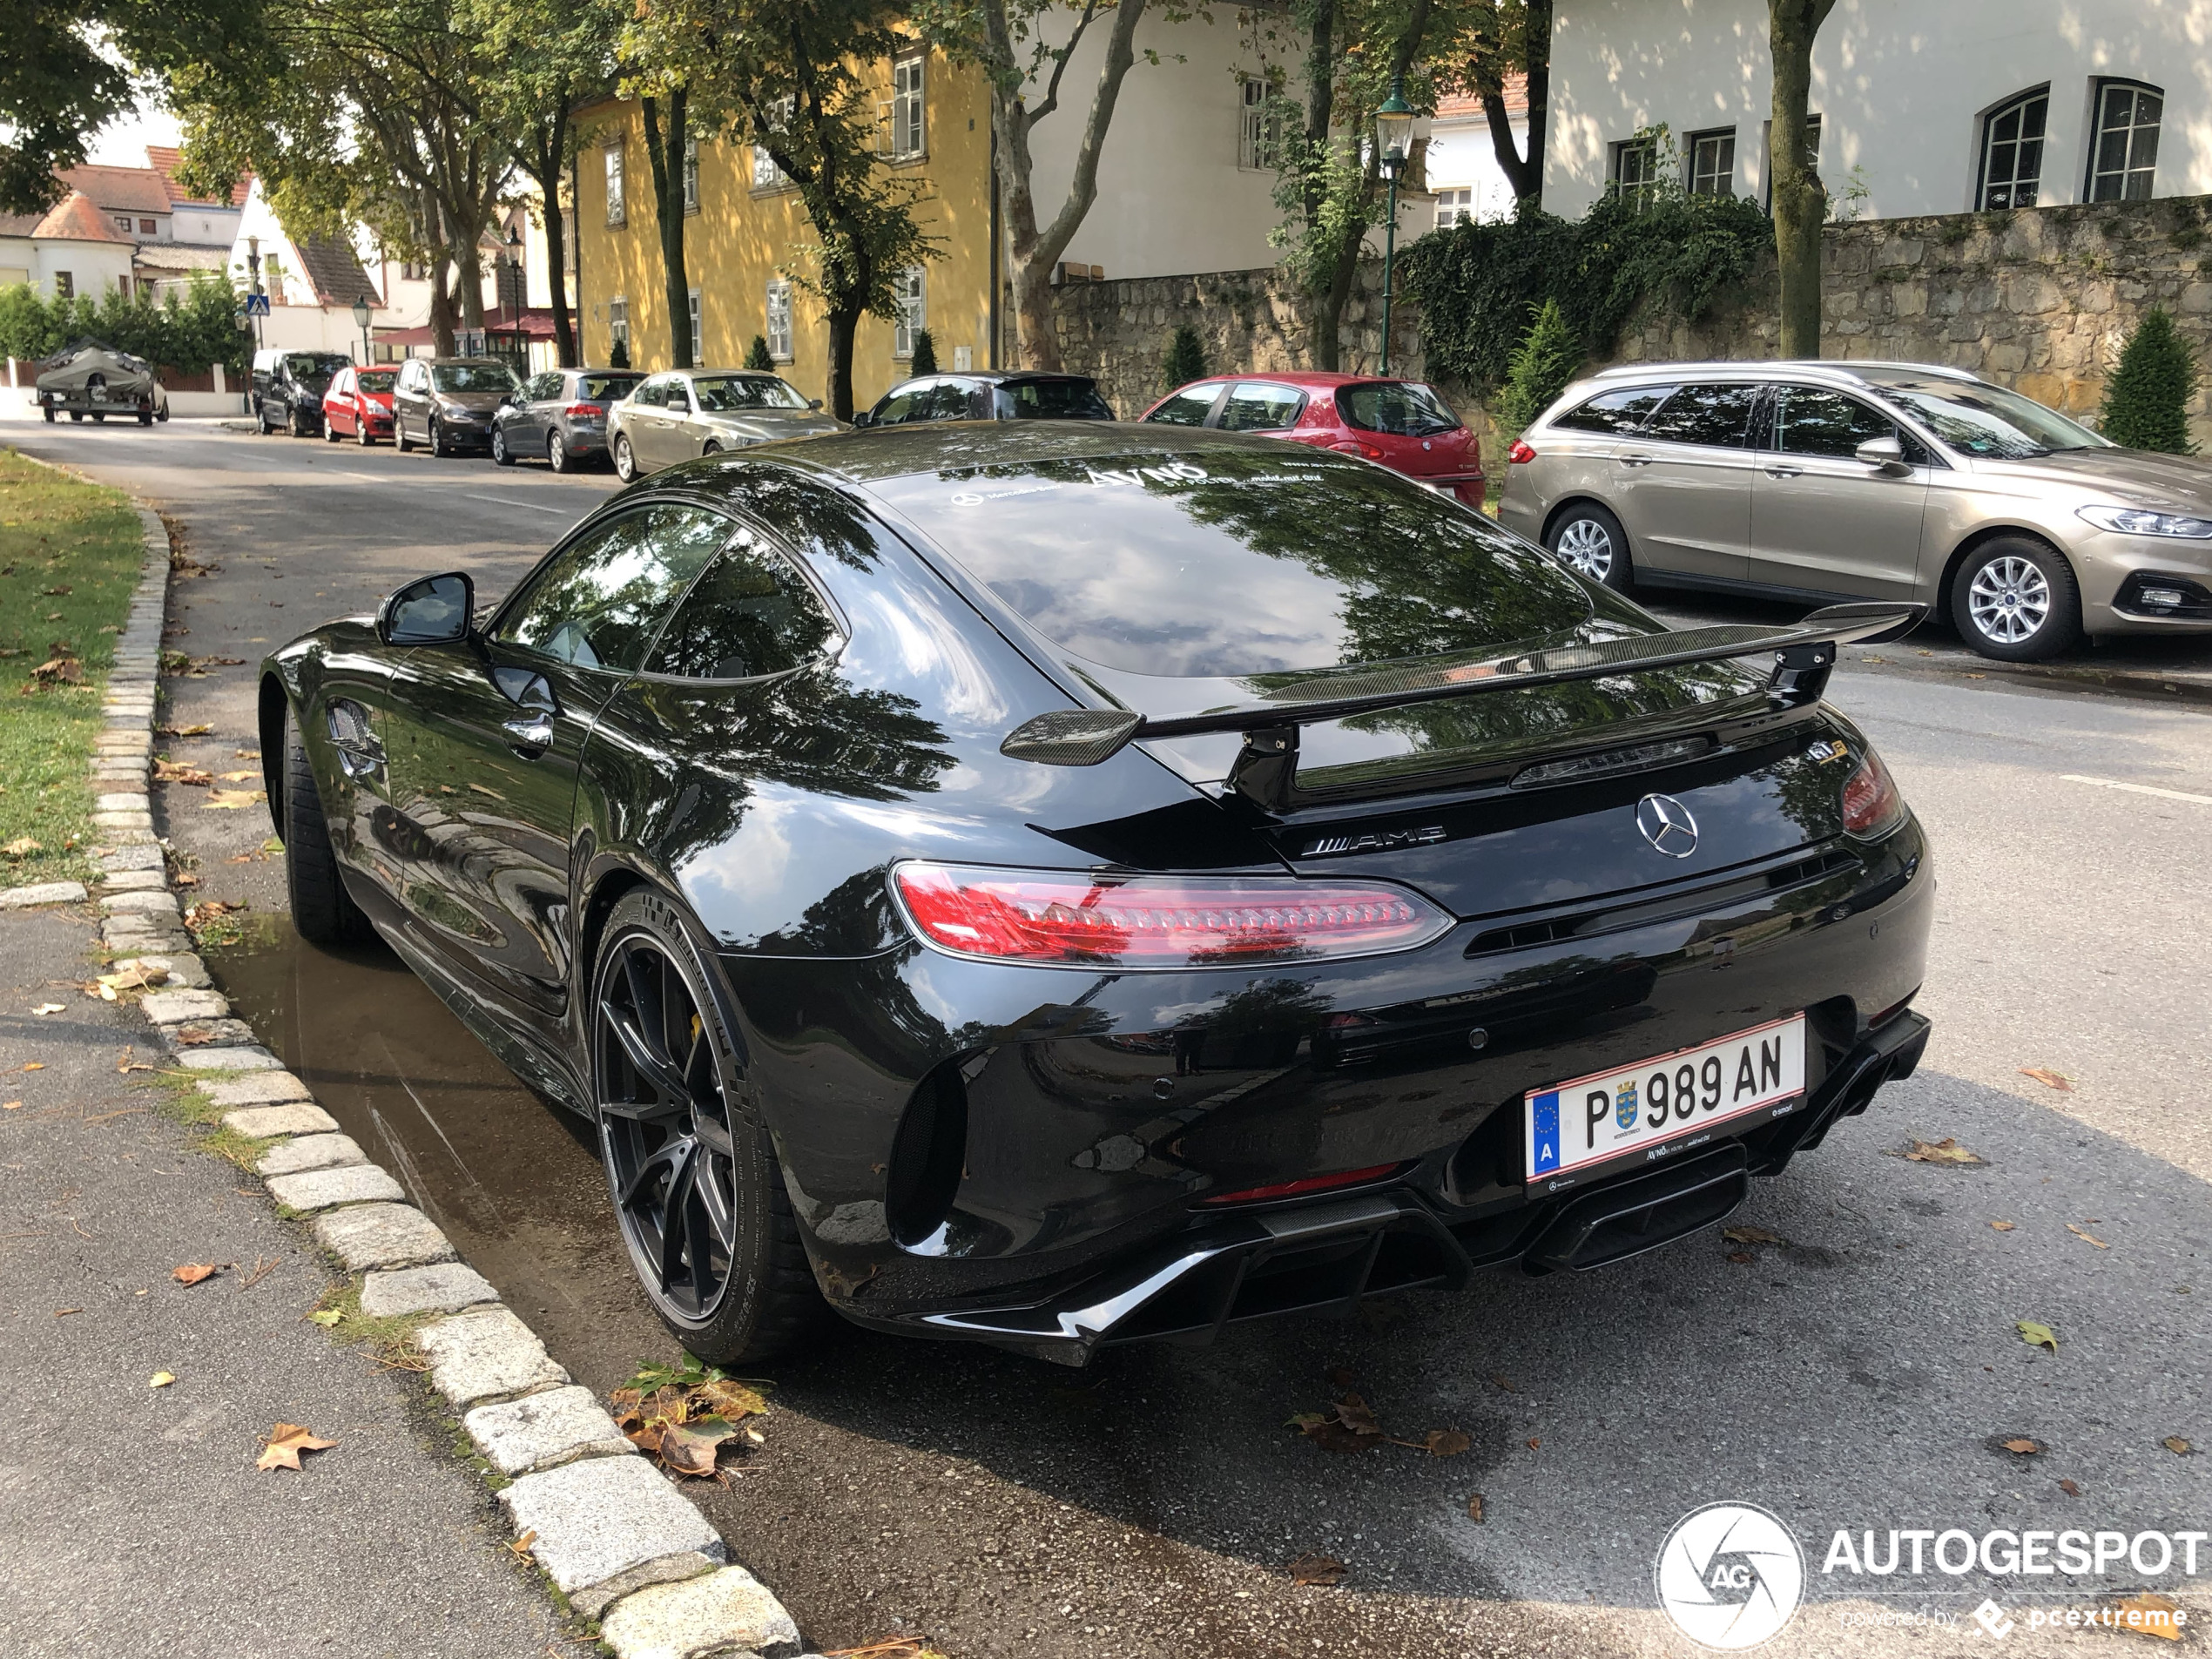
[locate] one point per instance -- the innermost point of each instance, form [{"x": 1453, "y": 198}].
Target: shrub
[
  {"x": 1548, "y": 357},
  {"x": 1186, "y": 359},
  {"x": 618, "y": 353},
  {"x": 925, "y": 357},
  {"x": 186, "y": 331},
  {"x": 2146, "y": 402},
  {"x": 755, "y": 354}
]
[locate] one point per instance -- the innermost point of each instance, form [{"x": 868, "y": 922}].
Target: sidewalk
[{"x": 132, "y": 1519}]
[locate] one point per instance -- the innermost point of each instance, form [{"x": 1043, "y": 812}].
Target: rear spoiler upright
[{"x": 1804, "y": 655}]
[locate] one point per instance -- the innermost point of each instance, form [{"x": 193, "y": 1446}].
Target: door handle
[
  {"x": 1637, "y": 460},
  {"x": 532, "y": 736},
  {"x": 1785, "y": 472}
]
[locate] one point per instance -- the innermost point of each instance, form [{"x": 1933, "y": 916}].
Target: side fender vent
[{"x": 928, "y": 1155}]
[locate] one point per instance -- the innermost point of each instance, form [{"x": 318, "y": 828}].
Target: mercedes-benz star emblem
[{"x": 1666, "y": 824}]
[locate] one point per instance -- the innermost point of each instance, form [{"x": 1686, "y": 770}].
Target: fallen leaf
[
  {"x": 1752, "y": 1236},
  {"x": 2091, "y": 1238},
  {"x": 192, "y": 1273},
  {"x": 2001, "y": 1226},
  {"x": 246, "y": 754},
  {"x": 170, "y": 771},
  {"x": 161, "y": 1379},
  {"x": 2022, "y": 1447},
  {"x": 2176, "y": 1445},
  {"x": 63, "y": 1313},
  {"x": 521, "y": 1546},
  {"x": 2048, "y": 1078},
  {"x": 2069, "y": 1488},
  {"x": 22, "y": 847},
  {"x": 1533, "y": 1443},
  {"x": 287, "y": 1441},
  {"x": 1504, "y": 1383},
  {"x": 2037, "y": 1335},
  {"x": 1348, "y": 1426},
  {"x": 241, "y": 776},
  {"x": 125, "y": 1065},
  {"x": 33, "y": 1065},
  {"x": 1317, "y": 1569},
  {"x": 60, "y": 671},
  {"x": 1358, "y": 1416},
  {"x": 2150, "y": 1615},
  {"x": 133, "y": 978},
  {"x": 325, "y": 1316},
  {"x": 733, "y": 1400},
  {"x": 182, "y": 731},
  {"x": 1475, "y": 1508},
  {"x": 11, "y": 1106},
  {"x": 191, "y": 1036},
  {"x": 1945, "y": 1151},
  {"x": 1741, "y": 1258},
  {"x": 1445, "y": 1442},
  {"x": 46, "y": 1007},
  {"x": 231, "y": 800},
  {"x": 691, "y": 1448}
]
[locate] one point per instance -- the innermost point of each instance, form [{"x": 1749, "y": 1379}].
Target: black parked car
[
  {"x": 1086, "y": 883},
  {"x": 1010, "y": 395},
  {"x": 561, "y": 415},
  {"x": 288, "y": 387},
  {"x": 447, "y": 403}
]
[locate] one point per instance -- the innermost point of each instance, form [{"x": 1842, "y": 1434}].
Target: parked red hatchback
[
  {"x": 358, "y": 405},
  {"x": 1403, "y": 425}
]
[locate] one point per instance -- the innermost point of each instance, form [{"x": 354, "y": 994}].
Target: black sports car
[{"x": 1060, "y": 885}]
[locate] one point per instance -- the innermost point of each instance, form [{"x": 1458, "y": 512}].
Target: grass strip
[{"x": 70, "y": 556}]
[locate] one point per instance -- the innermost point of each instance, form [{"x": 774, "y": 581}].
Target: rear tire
[
  {"x": 2016, "y": 600},
  {"x": 399, "y": 439},
  {"x": 145, "y": 420},
  {"x": 329, "y": 431},
  {"x": 699, "y": 1198},
  {"x": 50, "y": 417},
  {"x": 625, "y": 459},
  {"x": 323, "y": 913},
  {"x": 556, "y": 454},
  {"x": 1589, "y": 540}
]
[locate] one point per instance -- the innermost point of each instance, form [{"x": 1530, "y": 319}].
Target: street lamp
[
  {"x": 515, "y": 287},
  {"x": 1394, "y": 140},
  {"x": 362, "y": 309}
]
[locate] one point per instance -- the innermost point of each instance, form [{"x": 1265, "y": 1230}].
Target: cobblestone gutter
[{"x": 618, "y": 1540}]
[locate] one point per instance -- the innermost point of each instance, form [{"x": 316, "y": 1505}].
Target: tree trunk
[
  {"x": 548, "y": 161},
  {"x": 664, "y": 150},
  {"x": 1328, "y": 305},
  {"x": 842, "y": 327},
  {"x": 1799, "y": 202},
  {"x": 440, "y": 305},
  {"x": 1524, "y": 172}
]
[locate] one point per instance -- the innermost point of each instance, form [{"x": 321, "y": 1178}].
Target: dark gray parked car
[
  {"x": 989, "y": 395},
  {"x": 447, "y": 403},
  {"x": 561, "y": 415}
]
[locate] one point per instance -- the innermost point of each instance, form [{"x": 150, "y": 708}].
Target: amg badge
[{"x": 1373, "y": 841}]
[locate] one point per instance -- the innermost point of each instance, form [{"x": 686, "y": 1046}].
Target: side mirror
[
  {"x": 860, "y": 417},
  {"x": 1884, "y": 454},
  {"x": 433, "y": 612},
  {"x": 814, "y": 403}
]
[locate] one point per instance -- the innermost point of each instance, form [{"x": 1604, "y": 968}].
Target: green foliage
[
  {"x": 618, "y": 354},
  {"x": 925, "y": 354},
  {"x": 188, "y": 331},
  {"x": 1185, "y": 361},
  {"x": 1478, "y": 284},
  {"x": 755, "y": 354},
  {"x": 2147, "y": 400},
  {"x": 1547, "y": 359}
]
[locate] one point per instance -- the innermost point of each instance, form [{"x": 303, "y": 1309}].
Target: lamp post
[
  {"x": 362, "y": 309},
  {"x": 1394, "y": 139},
  {"x": 514, "y": 284},
  {"x": 253, "y": 278}
]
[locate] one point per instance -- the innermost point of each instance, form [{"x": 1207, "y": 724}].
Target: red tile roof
[
  {"x": 77, "y": 221},
  {"x": 167, "y": 160},
  {"x": 119, "y": 190},
  {"x": 1466, "y": 106}
]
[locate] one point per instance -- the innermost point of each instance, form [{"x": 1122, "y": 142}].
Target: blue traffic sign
[{"x": 257, "y": 305}]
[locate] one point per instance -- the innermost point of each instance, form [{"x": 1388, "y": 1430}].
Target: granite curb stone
[
  {"x": 608, "y": 1525},
  {"x": 327, "y": 1188},
  {"x": 445, "y": 1287},
  {"x": 310, "y": 1152},
  {"x": 542, "y": 1431},
  {"x": 381, "y": 1235},
  {"x": 262, "y": 1089},
  {"x": 484, "y": 1355},
  {"x": 722, "y": 1612}
]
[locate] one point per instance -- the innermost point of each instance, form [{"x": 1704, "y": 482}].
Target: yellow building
[{"x": 747, "y": 240}]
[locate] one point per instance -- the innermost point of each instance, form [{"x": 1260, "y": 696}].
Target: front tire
[
  {"x": 698, "y": 1193},
  {"x": 625, "y": 459},
  {"x": 1589, "y": 540},
  {"x": 501, "y": 455},
  {"x": 361, "y": 433},
  {"x": 2016, "y": 600},
  {"x": 440, "y": 447},
  {"x": 556, "y": 454},
  {"x": 323, "y": 913},
  {"x": 329, "y": 430},
  {"x": 399, "y": 439}
]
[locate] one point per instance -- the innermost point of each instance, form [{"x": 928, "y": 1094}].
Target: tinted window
[
  {"x": 652, "y": 394},
  {"x": 1069, "y": 400},
  {"x": 946, "y": 401},
  {"x": 1718, "y": 416},
  {"x": 750, "y": 613},
  {"x": 1254, "y": 406},
  {"x": 543, "y": 387},
  {"x": 473, "y": 377},
  {"x": 1811, "y": 421},
  {"x": 1399, "y": 407},
  {"x": 599, "y": 601},
  {"x": 605, "y": 388},
  {"x": 375, "y": 379},
  {"x": 901, "y": 406},
  {"x": 1615, "y": 411},
  {"x": 728, "y": 391},
  {"x": 1187, "y": 407},
  {"x": 1223, "y": 560}
]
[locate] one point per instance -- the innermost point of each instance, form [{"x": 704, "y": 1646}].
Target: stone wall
[{"x": 2039, "y": 300}]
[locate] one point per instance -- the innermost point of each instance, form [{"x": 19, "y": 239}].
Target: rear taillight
[
  {"x": 1157, "y": 921},
  {"x": 1873, "y": 806},
  {"x": 584, "y": 411},
  {"x": 1520, "y": 455}
]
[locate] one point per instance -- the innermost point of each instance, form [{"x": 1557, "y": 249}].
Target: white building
[
  {"x": 1461, "y": 164},
  {"x": 1920, "y": 108},
  {"x": 72, "y": 249}
]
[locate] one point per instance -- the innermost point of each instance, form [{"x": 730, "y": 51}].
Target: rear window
[
  {"x": 1399, "y": 407},
  {"x": 1716, "y": 416},
  {"x": 1615, "y": 411},
  {"x": 1068, "y": 400},
  {"x": 376, "y": 380},
  {"x": 1237, "y": 560},
  {"x": 606, "y": 388}
]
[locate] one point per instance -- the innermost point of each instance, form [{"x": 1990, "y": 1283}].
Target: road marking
[
  {"x": 558, "y": 512},
  {"x": 2138, "y": 789}
]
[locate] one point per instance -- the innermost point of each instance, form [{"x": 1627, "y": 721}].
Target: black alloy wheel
[
  {"x": 501, "y": 455},
  {"x": 323, "y": 913},
  {"x": 696, "y": 1189},
  {"x": 556, "y": 453}
]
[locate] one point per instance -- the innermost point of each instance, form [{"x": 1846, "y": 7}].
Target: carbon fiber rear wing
[{"x": 1804, "y": 653}]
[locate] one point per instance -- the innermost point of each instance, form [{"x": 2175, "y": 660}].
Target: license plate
[{"x": 1669, "y": 1104}]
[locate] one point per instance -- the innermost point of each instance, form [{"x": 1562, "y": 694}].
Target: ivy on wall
[{"x": 1480, "y": 285}]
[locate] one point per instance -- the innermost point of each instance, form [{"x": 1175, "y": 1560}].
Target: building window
[
  {"x": 123, "y": 223},
  {"x": 766, "y": 175},
  {"x": 1635, "y": 171},
  {"x": 414, "y": 271},
  {"x": 779, "y": 321},
  {"x": 691, "y": 175},
  {"x": 146, "y": 228},
  {"x": 1454, "y": 208},
  {"x": 2123, "y": 149},
  {"x": 618, "y": 323},
  {"x": 2012, "y": 151},
  {"x": 618, "y": 211},
  {"x": 1712, "y": 163},
  {"x": 698, "y": 334},
  {"x": 914, "y": 310},
  {"x": 1259, "y": 130},
  {"x": 906, "y": 130},
  {"x": 64, "y": 285}
]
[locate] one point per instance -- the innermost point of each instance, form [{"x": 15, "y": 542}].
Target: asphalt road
[{"x": 1862, "y": 1375}]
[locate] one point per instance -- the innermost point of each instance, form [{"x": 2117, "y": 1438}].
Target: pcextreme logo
[{"x": 1731, "y": 1575}]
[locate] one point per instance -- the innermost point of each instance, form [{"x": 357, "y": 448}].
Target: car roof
[
  {"x": 1312, "y": 379},
  {"x": 996, "y": 376},
  {"x": 719, "y": 373},
  {"x": 1866, "y": 373}
]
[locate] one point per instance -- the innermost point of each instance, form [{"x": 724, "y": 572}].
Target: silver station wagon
[{"x": 1818, "y": 481}]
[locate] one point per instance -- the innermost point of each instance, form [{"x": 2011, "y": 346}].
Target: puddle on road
[{"x": 515, "y": 1181}]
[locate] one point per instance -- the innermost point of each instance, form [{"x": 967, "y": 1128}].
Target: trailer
[{"x": 86, "y": 377}]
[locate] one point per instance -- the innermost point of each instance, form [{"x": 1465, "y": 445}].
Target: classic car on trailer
[{"x": 86, "y": 377}]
